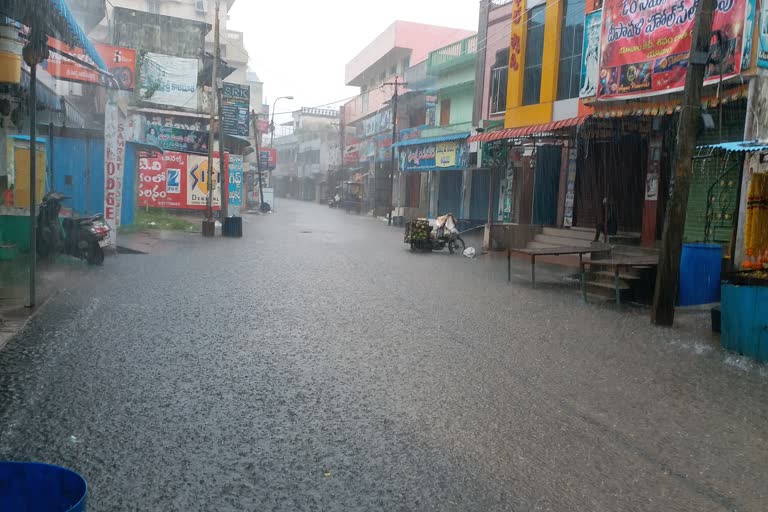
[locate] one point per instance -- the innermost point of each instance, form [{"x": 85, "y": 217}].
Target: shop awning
[
  {"x": 56, "y": 19},
  {"x": 527, "y": 131},
  {"x": 433, "y": 140},
  {"x": 666, "y": 105},
  {"x": 739, "y": 147}
]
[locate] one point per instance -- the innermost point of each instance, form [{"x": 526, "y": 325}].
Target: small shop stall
[{"x": 744, "y": 303}]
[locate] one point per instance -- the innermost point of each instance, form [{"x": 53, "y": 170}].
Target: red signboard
[
  {"x": 121, "y": 62},
  {"x": 267, "y": 158},
  {"x": 352, "y": 152},
  {"x": 646, "y": 45},
  {"x": 161, "y": 178},
  {"x": 178, "y": 180}
]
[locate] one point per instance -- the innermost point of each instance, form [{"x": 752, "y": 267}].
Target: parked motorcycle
[
  {"x": 82, "y": 237},
  {"x": 333, "y": 202}
]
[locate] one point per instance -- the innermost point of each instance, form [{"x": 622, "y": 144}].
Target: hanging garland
[{"x": 756, "y": 225}]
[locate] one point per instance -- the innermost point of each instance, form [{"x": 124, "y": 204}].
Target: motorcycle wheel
[
  {"x": 456, "y": 246},
  {"x": 95, "y": 254}
]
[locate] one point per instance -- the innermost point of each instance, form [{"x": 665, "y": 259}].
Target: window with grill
[
  {"x": 534, "y": 53},
  {"x": 153, "y": 6},
  {"x": 201, "y": 5},
  {"x": 571, "y": 44},
  {"x": 499, "y": 74}
]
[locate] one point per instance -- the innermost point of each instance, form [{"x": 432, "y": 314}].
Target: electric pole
[
  {"x": 668, "y": 275},
  {"x": 394, "y": 141},
  {"x": 223, "y": 181},
  {"x": 256, "y": 136},
  {"x": 342, "y": 133},
  {"x": 212, "y": 127}
]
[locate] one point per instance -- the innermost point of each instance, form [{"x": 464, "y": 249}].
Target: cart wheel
[{"x": 456, "y": 246}]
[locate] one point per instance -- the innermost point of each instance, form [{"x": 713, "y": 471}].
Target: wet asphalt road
[{"x": 327, "y": 368}]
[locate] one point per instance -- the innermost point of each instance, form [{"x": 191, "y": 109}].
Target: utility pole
[
  {"x": 394, "y": 141},
  {"x": 342, "y": 135},
  {"x": 212, "y": 128},
  {"x": 256, "y": 136},
  {"x": 668, "y": 275},
  {"x": 223, "y": 181}
]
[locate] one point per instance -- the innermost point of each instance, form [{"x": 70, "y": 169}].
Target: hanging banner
[
  {"x": 114, "y": 156},
  {"x": 570, "y": 189},
  {"x": 170, "y": 138},
  {"x": 235, "y": 105},
  {"x": 167, "y": 80},
  {"x": 645, "y": 45},
  {"x": 590, "y": 55},
  {"x": 762, "y": 51},
  {"x": 160, "y": 180},
  {"x": 121, "y": 62},
  {"x": 235, "y": 180},
  {"x": 352, "y": 153}
]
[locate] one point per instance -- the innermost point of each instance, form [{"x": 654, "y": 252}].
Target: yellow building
[{"x": 545, "y": 61}]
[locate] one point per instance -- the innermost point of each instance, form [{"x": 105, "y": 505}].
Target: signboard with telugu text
[
  {"x": 645, "y": 45},
  {"x": 443, "y": 156}
]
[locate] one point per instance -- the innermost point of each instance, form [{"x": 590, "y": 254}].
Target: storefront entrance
[
  {"x": 612, "y": 168},
  {"x": 449, "y": 196},
  {"x": 547, "y": 185}
]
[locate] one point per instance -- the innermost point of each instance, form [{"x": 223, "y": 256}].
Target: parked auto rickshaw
[{"x": 351, "y": 196}]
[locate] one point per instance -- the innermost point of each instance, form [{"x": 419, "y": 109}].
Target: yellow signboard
[{"x": 445, "y": 154}]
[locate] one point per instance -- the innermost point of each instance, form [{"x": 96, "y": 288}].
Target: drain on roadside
[{"x": 304, "y": 232}]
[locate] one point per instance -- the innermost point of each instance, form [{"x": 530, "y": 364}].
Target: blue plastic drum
[
  {"x": 35, "y": 487},
  {"x": 700, "y": 266}
]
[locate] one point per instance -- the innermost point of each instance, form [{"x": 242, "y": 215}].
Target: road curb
[{"x": 17, "y": 325}]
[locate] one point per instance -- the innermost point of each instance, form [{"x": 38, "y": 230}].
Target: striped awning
[
  {"x": 739, "y": 147},
  {"x": 433, "y": 140},
  {"x": 528, "y": 131}
]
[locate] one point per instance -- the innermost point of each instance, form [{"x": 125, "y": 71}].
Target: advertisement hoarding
[
  {"x": 121, "y": 62},
  {"x": 170, "y": 138},
  {"x": 235, "y": 106},
  {"x": 167, "y": 80},
  {"x": 177, "y": 180},
  {"x": 645, "y": 45}
]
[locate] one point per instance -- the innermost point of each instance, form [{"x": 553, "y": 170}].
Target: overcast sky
[{"x": 300, "y": 47}]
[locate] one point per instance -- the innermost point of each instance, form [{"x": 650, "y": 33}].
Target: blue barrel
[
  {"x": 700, "y": 266},
  {"x": 31, "y": 486}
]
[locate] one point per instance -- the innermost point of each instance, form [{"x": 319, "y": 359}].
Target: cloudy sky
[{"x": 300, "y": 47}]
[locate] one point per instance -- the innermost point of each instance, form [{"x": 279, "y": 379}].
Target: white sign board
[
  {"x": 167, "y": 80},
  {"x": 114, "y": 157}
]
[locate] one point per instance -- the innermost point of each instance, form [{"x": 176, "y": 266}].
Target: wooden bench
[
  {"x": 616, "y": 263},
  {"x": 552, "y": 251}
]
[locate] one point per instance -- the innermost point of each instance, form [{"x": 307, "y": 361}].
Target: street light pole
[{"x": 272, "y": 122}]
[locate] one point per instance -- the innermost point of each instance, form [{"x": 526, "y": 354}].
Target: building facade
[{"x": 369, "y": 116}]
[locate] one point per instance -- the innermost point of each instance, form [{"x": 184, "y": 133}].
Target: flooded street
[{"x": 316, "y": 364}]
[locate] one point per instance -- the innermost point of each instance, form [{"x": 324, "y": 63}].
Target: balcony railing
[{"x": 456, "y": 54}]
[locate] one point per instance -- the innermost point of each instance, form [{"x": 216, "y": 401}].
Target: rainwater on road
[{"x": 316, "y": 364}]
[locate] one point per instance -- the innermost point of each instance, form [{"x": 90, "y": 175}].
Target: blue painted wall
[{"x": 74, "y": 160}]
